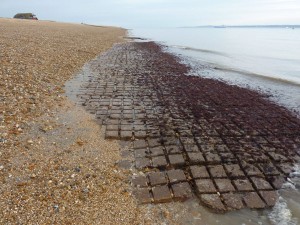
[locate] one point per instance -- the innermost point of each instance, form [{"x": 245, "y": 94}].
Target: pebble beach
[
  {"x": 55, "y": 166},
  {"x": 36, "y": 59}
]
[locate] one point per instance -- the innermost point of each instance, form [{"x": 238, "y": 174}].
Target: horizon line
[{"x": 248, "y": 25}]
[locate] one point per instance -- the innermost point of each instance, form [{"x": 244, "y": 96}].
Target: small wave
[
  {"x": 211, "y": 65},
  {"x": 200, "y": 50},
  {"x": 236, "y": 70},
  {"x": 281, "y": 214},
  {"x": 135, "y": 38},
  {"x": 263, "y": 76}
]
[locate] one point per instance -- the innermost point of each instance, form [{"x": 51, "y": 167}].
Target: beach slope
[{"x": 55, "y": 166}]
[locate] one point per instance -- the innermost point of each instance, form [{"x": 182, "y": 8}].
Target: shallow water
[{"x": 269, "y": 52}]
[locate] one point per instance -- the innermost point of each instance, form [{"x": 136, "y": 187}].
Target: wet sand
[{"x": 190, "y": 137}]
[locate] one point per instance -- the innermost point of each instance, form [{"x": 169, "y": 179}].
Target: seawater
[{"x": 265, "y": 59}]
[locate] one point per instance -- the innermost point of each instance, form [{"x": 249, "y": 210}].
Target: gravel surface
[
  {"x": 36, "y": 58},
  {"x": 55, "y": 166},
  {"x": 66, "y": 174}
]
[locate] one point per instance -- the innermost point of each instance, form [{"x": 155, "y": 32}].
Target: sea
[{"x": 266, "y": 59}]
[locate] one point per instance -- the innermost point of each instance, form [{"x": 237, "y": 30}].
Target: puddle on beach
[
  {"x": 285, "y": 212},
  {"x": 72, "y": 87}
]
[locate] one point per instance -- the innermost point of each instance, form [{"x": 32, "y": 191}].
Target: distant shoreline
[{"x": 243, "y": 26}]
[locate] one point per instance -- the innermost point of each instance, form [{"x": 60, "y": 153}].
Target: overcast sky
[{"x": 159, "y": 13}]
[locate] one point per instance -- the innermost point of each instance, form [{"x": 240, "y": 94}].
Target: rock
[{"x": 56, "y": 208}]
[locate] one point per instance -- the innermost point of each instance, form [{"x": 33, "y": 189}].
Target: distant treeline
[{"x": 29, "y": 16}]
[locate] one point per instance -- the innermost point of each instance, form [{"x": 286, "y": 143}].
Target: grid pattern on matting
[{"x": 228, "y": 146}]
